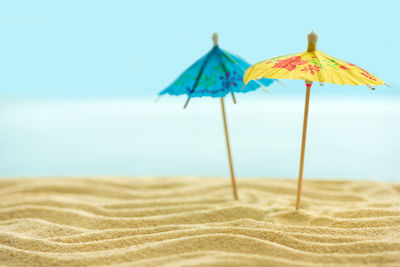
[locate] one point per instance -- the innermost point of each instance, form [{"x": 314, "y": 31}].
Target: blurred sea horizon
[
  {"x": 78, "y": 80},
  {"x": 351, "y": 136}
]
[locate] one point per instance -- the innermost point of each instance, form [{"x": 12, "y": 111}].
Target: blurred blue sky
[
  {"x": 136, "y": 48},
  {"x": 78, "y": 79}
]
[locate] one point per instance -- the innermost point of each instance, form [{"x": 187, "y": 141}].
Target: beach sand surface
[{"x": 195, "y": 222}]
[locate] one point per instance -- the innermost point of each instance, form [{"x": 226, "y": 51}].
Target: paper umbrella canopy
[
  {"x": 216, "y": 74},
  {"x": 312, "y": 65}
]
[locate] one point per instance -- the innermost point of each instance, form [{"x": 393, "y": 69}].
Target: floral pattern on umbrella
[
  {"x": 311, "y": 69},
  {"x": 215, "y": 74},
  {"x": 290, "y": 63}
]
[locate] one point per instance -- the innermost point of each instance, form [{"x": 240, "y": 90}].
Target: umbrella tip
[
  {"x": 215, "y": 38},
  {"x": 312, "y": 41}
]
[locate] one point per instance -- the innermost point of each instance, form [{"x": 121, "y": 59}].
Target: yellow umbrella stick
[
  {"x": 303, "y": 145},
  {"x": 312, "y": 44}
]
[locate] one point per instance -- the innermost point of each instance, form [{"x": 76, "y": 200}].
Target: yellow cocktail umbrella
[{"x": 311, "y": 66}]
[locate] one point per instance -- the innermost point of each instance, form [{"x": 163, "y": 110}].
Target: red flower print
[
  {"x": 344, "y": 67},
  {"x": 364, "y": 72},
  {"x": 311, "y": 68},
  {"x": 368, "y": 75},
  {"x": 289, "y": 63}
]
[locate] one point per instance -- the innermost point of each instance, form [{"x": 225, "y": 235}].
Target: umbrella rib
[
  {"x": 158, "y": 97},
  {"x": 226, "y": 71},
  {"x": 320, "y": 74},
  {"x": 201, "y": 72},
  {"x": 198, "y": 77}
]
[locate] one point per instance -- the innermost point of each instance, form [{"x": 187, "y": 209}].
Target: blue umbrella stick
[{"x": 228, "y": 147}]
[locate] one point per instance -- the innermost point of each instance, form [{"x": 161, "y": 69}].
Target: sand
[{"x": 195, "y": 222}]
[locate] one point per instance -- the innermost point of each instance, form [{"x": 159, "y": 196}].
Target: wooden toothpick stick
[
  {"x": 303, "y": 145},
  {"x": 228, "y": 147},
  {"x": 312, "y": 45}
]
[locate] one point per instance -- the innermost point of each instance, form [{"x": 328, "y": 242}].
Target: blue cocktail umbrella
[{"x": 216, "y": 74}]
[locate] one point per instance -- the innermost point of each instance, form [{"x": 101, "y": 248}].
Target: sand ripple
[{"x": 195, "y": 222}]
